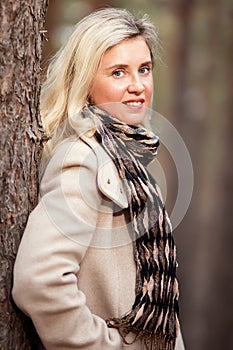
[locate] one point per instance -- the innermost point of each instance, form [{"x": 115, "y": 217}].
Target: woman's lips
[{"x": 134, "y": 103}]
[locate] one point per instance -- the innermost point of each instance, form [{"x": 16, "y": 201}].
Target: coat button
[{"x": 108, "y": 181}]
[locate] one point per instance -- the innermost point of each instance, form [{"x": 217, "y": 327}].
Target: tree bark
[{"x": 21, "y": 26}]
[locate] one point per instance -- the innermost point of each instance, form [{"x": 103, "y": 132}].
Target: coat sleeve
[{"x": 55, "y": 240}]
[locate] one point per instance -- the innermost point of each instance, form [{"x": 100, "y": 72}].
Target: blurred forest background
[{"x": 194, "y": 88}]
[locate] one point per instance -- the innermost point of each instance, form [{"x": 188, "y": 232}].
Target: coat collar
[{"x": 108, "y": 179}]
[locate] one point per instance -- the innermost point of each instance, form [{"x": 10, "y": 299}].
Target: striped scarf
[{"x": 154, "y": 314}]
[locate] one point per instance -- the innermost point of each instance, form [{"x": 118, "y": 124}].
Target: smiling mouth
[{"x": 134, "y": 103}]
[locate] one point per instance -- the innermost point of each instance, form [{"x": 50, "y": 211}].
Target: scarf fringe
[
  {"x": 150, "y": 341},
  {"x": 159, "y": 342}
]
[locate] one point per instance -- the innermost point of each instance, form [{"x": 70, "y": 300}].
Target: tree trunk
[{"x": 21, "y": 25}]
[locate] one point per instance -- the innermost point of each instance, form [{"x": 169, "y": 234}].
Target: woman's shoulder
[
  {"x": 72, "y": 152},
  {"x": 69, "y": 153},
  {"x": 87, "y": 152}
]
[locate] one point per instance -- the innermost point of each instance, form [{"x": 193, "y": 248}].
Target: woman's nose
[{"x": 136, "y": 86}]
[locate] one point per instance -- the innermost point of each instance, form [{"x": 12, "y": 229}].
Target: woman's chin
[{"x": 131, "y": 115}]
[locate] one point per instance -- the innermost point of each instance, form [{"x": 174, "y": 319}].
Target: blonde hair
[{"x": 71, "y": 71}]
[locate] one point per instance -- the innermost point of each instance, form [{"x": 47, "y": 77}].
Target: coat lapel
[{"x": 108, "y": 179}]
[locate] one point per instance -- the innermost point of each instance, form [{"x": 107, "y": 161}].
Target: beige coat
[{"x": 75, "y": 266}]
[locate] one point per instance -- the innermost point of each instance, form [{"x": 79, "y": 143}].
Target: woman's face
[{"x": 125, "y": 76}]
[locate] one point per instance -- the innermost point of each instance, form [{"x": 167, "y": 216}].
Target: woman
[{"x": 96, "y": 265}]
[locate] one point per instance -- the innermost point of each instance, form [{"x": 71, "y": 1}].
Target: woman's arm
[{"x": 54, "y": 242}]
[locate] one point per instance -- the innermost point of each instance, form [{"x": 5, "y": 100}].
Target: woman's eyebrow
[
  {"x": 121, "y": 65},
  {"x": 118, "y": 65},
  {"x": 147, "y": 63}
]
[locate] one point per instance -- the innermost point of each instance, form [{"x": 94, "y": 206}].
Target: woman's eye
[
  {"x": 145, "y": 70},
  {"x": 118, "y": 73}
]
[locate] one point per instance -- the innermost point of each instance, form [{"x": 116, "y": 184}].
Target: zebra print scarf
[{"x": 154, "y": 314}]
